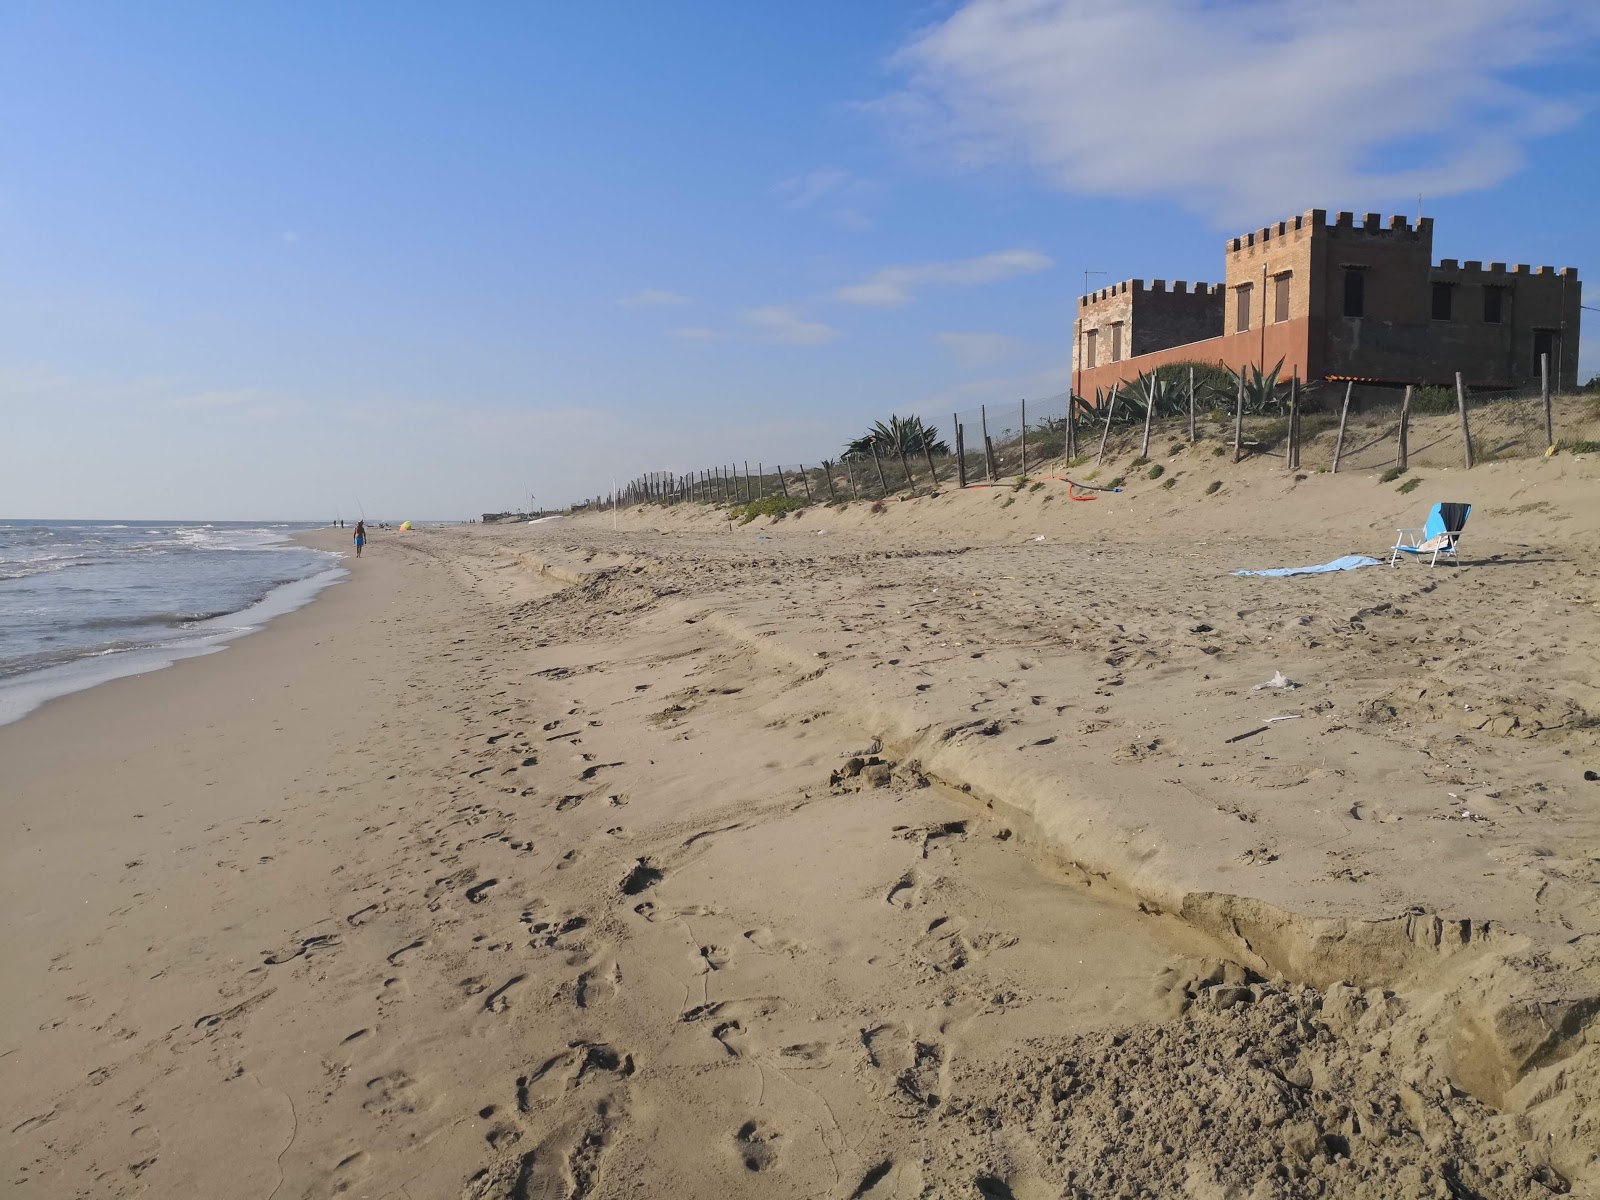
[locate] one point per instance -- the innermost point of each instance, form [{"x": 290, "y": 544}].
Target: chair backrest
[{"x": 1446, "y": 517}]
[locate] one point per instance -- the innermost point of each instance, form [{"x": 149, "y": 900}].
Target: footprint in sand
[
  {"x": 909, "y": 1070},
  {"x": 756, "y": 1144},
  {"x": 768, "y": 942},
  {"x": 394, "y": 1094},
  {"x": 904, "y": 891},
  {"x": 499, "y": 1000},
  {"x": 643, "y": 875},
  {"x": 395, "y": 956}
]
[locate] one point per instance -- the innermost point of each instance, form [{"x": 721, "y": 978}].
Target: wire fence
[{"x": 1313, "y": 427}]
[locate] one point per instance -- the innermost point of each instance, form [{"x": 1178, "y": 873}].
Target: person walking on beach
[{"x": 361, "y": 536}]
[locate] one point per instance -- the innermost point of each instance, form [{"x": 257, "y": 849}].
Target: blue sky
[{"x": 265, "y": 260}]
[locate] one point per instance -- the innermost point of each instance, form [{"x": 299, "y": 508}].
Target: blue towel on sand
[{"x": 1348, "y": 563}]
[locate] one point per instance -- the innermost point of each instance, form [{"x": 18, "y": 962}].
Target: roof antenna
[{"x": 1419, "y": 208}]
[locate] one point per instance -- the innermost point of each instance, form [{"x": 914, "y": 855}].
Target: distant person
[{"x": 361, "y": 536}]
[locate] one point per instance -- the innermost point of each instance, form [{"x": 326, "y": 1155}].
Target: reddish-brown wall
[{"x": 1288, "y": 340}]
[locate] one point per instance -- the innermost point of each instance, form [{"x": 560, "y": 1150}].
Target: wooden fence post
[
  {"x": 988, "y": 446},
  {"x": 1191, "y": 406},
  {"x": 1344, "y": 415},
  {"x": 900, "y": 450},
  {"x": 782, "y": 486},
  {"x": 1024, "y": 436},
  {"x": 1402, "y": 452},
  {"x": 805, "y": 479},
  {"x": 1238, "y": 420},
  {"x": 850, "y": 470},
  {"x": 961, "y": 456},
  {"x": 882, "y": 483},
  {"x": 827, "y": 471},
  {"x": 1544, "y": 392},
  {"x": 1466, "y": 430},
  {"x": 1293, "y": 455},
  {"x": 933, "y": 475},
  {"x": 1110, "y": 409},
  {"x": 1069, "y": 450},
  {"x": 1149, "y": 412}
]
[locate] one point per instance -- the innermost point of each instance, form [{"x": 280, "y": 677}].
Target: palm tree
[{"x": 902, "y": 435}]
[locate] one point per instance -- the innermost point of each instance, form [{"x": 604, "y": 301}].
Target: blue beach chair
[{"x": 1439, "y": 536}]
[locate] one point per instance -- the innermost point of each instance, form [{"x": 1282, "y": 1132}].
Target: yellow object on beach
[{"x": 405, "y": 524}]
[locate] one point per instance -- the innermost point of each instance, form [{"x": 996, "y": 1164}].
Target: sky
[{"x": 424, "y": 261}]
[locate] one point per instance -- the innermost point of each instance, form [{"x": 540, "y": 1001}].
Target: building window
[
  {"x": 1443, "y": 301},
  {"x": 1493, "y": 305},
  {"x": 1241, "y": 320},
  {"x": 1280, "y": 297},
  {"x": 1116, "y": 341},
  {"x": 1544, "y": 342},
  {"x": 1355, "y": 292},
  {"x": 1090, "y": 342}
]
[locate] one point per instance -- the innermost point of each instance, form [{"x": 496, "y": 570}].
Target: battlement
[
  {"x": 1372, "y": 225},
  {"x": 1343, "y": 225},
  {"x": 1475, "y": 267},
  {"x": 1135, "y": 287},
  {"x": 1283, "y": 229}
]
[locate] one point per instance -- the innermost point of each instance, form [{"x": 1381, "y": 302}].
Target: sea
[{"x": 82, "y": 602}]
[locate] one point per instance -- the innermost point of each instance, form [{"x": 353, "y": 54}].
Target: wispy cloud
[
  {"x": 785, "y": 325},
  {"x": 653, "y": 298},
  {"x": 1255, "y": 110},
  {"x": 896, "y": 286},
  {"x": 838, "y": 195},
  {"x": 802, "y": 191},
  {"x": 979, "y": 349},
  {"x": 694, "y": 333}
]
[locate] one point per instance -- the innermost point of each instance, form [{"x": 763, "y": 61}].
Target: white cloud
[
  {"x": 785, "y": 325},
  {"x": 653, "y": 298},
  {"x": 895, "y": 286},
  {"x": 694, "y": 333},
  {"x": 1248, "y": 111},
  {"x": 979, "y": 349}
]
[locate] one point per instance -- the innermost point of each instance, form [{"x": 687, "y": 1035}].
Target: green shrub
[
  {"x": 1218, "y": 451},
  {"x": 1008, "y": 502},
  {"x": 1391, "y": 474},
  {"x": 1139, "y": 462},
  {"x": 1166, "y": 484},
  {"x": 775, "y": 507},
  {"x": 1584, "y": 448},
  {"x": 1022, "y": 482},
  {"x": 879, "y": 508},
  {"x": 1433, "y": 400},
  {"x": 1409, "y": 486},
  {"x": 1039, "y": 484},
  {"x": 1115, "y": 483},
  {"x": 1155, "y": 472},
  {"x": 1214, "y": 487}
]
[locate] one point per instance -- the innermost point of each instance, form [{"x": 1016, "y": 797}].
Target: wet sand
[{"x": 905, "y": 860}]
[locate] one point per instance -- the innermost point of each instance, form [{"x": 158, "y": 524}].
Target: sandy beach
[{"x": 952, "y": 850}]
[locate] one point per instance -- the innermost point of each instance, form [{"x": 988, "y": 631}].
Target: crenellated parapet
[{"x": 1156, "y": 287}]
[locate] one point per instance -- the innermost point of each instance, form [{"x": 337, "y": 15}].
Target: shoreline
[{"x": 27, "y": 691}]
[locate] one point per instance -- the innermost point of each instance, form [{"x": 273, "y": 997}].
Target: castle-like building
[{"x": 1339, "y": 301}]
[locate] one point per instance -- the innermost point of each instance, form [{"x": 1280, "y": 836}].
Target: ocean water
[{"x": 85, "y": 601}]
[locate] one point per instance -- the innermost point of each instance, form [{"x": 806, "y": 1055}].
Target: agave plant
[
  {"x": 1167, "y": 397},
  {"x": 902, "y": 435},
  {"x": 1264, "y": 395}
]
